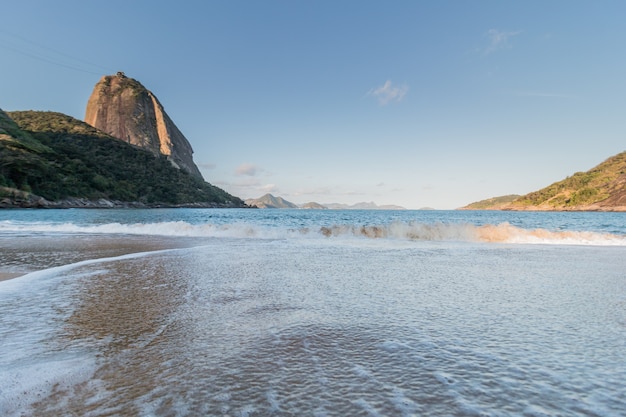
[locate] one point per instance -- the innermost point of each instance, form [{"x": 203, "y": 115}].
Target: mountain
[
  {"x": 495, "y": 203},
  {"x": 602, "y": 188},
  {"x": 125, "y": 109},
  {"x": 49, "y": 159},
  {"x": 313, "y": 206},
  {"x": 269, "y": 201}
]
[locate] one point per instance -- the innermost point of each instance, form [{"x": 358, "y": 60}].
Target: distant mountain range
[
  {"x": 270, "y": 201},
  {"x": 602, "y": 188}
]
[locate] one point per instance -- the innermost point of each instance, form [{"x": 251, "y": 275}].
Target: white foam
[
  {"x": 28, "y": 383},
  {"x": 392, "y": 346},
  {"x": 29, "y": 374},
  {"x": 272, "y": 399},
  {"x": 444, "y": 378},
  {"x": 246, "y": 410},
  {"x": 402, "y": 403},
  {"x": 536, "y": 411},
  {"x": 367, "y": 407},
  {"x": 51, "y": 274},
  {"x": 403, "y": 231},
  {"x": 506, "y": 233},
  {"x": 360, "y": 371}
]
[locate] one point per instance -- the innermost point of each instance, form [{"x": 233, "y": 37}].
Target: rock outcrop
[{"x": 125, "y": 109}]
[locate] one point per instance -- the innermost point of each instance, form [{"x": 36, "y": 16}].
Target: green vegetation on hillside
[
  {"x": 10, "y": 132},
  {"x": 602, "y": 188},
  {"x": 56, "y": 157},
  {"x": 492, "y": 203},
  {"x": 582, "y": 188}
]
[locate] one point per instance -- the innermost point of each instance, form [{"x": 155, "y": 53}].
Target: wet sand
[
  {"x": 22, "y": 255},
  {"x": 9, "y": 275}
]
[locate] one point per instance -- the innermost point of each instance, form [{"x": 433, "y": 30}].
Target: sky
[{"x": 412, "y": 103}]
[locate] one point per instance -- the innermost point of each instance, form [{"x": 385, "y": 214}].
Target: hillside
[
  {"x": 602, "y": 188},
  {"x": 313, "y": 206},
  {"x": 495, "y": 203},
  {"x": 49, "y": 159}
]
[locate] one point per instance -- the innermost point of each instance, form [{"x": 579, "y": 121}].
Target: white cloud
[
  {"x": 498, "y": 40},
  {"x": 247, "y": 169},
  {"x": 387, "y": 93}
]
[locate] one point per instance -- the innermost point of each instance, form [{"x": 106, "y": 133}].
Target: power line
[
  {"x": 41, "y": 57},
  {"x": 47, "y": 60}
]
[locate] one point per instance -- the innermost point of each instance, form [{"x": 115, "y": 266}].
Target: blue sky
[{"x": 415, "y": 103}]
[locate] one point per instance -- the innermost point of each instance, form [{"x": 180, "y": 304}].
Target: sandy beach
[
  {"x": 22, "y": 255},
  {"x": 9, "y": 275},
  {"x": 258, "y": 312}
]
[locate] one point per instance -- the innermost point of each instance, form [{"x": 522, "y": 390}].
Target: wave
[
  {"x": 493, "y": 233},
  {"x": 500, "y": 233}
]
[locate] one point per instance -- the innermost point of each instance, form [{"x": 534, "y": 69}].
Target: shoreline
[
  {"x": 24, "y": 255},
  {"x": 11, "y": 198},
  {"x": 5, "y": 276}
]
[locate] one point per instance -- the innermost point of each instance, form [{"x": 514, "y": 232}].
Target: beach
[
  {"x": 24, "y": 254},
  {"x": 9, "y": 275},
  {"x": 210, "y": 316}
]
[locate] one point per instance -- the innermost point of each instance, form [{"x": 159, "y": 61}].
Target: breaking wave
[
  {"x": 411, "y": 231},
  {"x": 501, "y": 233}
]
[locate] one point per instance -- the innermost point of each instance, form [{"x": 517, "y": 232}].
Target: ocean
[{"x": 233, "y": 312}]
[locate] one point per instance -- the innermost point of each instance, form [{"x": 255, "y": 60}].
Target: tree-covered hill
[
  {"x": 57, "y": 157},
  {"x": 602, "y": 188},
  {"x": 495, "y": 203}
]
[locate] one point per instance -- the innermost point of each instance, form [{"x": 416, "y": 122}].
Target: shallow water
[{"x": 280, "y": 320}]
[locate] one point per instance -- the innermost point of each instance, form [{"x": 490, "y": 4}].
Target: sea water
[{"x": 312, "y": 312}]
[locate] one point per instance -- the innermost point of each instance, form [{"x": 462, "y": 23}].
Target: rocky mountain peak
[{"x": 122, "y": 107}]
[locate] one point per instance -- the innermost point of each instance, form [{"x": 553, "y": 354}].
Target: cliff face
[{"x": 125, "y": 109}]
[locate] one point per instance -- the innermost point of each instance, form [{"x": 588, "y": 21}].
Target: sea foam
[{"x": 407, "y": 231}]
